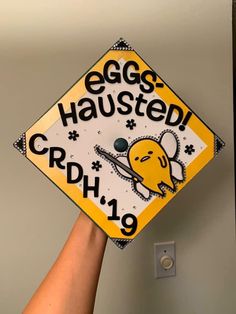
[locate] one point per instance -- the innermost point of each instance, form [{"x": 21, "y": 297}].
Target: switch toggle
[{"x": 166, "y": 262}]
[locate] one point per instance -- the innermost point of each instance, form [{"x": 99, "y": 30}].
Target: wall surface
[{"x": 45, "y": 47}]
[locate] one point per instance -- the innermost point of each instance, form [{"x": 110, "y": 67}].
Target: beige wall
[{"x": 45, "y": 47}]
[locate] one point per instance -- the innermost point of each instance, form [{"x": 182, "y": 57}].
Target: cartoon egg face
[{"x": 147, "y": 158}]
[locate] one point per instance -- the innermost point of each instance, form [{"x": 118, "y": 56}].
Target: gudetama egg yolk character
[{"x": 148, "y": 159}]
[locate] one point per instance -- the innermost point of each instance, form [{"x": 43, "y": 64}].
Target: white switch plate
[{"x": 162, "y": 249}]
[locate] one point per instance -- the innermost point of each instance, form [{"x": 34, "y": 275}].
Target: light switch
[{"x": 164, "y": 259}]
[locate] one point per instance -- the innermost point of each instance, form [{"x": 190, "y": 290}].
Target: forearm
[{"x": 70, "y": 286}]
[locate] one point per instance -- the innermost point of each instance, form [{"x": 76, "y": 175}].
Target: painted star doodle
[
  {"x": 130, "y": 124},
  {"x": 189, "y": 149},
  {"x": 96, "y": 165},
  {"x": 73, "y": 135}
]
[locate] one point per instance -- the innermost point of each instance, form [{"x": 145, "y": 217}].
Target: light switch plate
[{"x": 162, "y": 250}]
